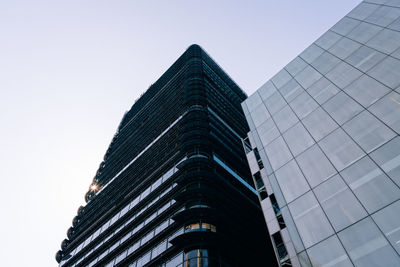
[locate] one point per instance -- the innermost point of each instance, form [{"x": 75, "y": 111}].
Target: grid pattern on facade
[{"x": 326, "y": 128}]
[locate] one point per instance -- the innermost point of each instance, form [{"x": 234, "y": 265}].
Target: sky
[{"x": 70, "y": 69}]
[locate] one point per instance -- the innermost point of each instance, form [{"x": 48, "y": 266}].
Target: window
[
  {"x": 196, "y": 258},
  {"x": 200, "y": 226}
]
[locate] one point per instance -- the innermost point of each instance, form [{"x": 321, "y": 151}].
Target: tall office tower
[
  {"x": 326, "y": 131},
  {"x": 173, "y": 189}
]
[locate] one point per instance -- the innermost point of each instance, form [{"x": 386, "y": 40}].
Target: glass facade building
[
  {"x": 174, "y": 188},
  {"x": 324, "y": 145}
]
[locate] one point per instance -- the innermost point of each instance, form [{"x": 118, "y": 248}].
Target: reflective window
[
  {"x": 266, "y": 90},
  {"x": 387, "y": 72},
  {"x": 290, "y": 226},
  {"x": 365, "y": 58},
  {"x": 319, "y": 124},
  {"x": 275, "y": 102},
  {"x": 310, "y": 220},
  {"x": 298, "y": 139},
  {"x": 371, "y": 186},
  {"x": 278, "y": 153},
  {"x": 329, "y": 253},
  {"x": 388, "y": 220},
  {"x": 342, "y": 108},
  {"x": 343, "y": 74},
  {"x": 328, "y": 39},
  {"x": 281, "y": 78},
  {"x": 366, "y": 245},
  {"x": 323, "y": 90},
  {"x": 277, "y": 190},
  {"x": 388, "y": 158},
  {"x": 364, "y": 32},
  {"x": 315, "y": 165},
  {"x": 259, "y": 115},
  {"x": 386, "y": 41},
  {"x": 308, "y": 76},
  {"x": 384, "y": 15},
  {"x": 388, "y": 110},
  {"x": 345, "y": 25},
  {"x": 303, "y": 105},
  {"x": 267, "y": 132},
  {"x": 295, "y": 66},
  {"x": 311, "y": 53},
  {"x": 285, "y": 118},
  {"x": 340, "y": 149},
  {"x": 325, "y": 62},
  {"x": 339, "y": 203},
  {"x": 344, "y": 47},
  {"x": 368, "y": 131},
  {"x": 290, "y": 90},
  {"x": 253, "y": 101},
  {"x": 366, "y": 90},
  {"x": 362, "y": 11},
  {"x": 291, "y": 181}
]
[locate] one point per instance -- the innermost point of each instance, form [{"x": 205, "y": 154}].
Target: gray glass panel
[
  {"x": 281, "y": 78},
  {"x": 366, "y": 245},
  {"x": 253, "y": 101},
  {"x": 285, "y": 119},
  {"x": 388, "y": 110},
  {"x": 295, "y": 66},
  {"x": 388, "y": 220},
  {"x": 294, "y": 235},
  {"x": 291, "y": 181},
  {"x": 315, "y": 166},
  {"x": 267, "y": 132},
  {"x": 245, "y": 108},
  {"x": 303, "y": 105},
  {"x": 277, "y": 190},
  {"x": 345, "y": 25},
  {"x": 311, "y": 53},
  {"x": 259, "y": 115},
  {"x": 266, "y": 90},
  {"x": 340, "y": 149},
  {"x": 325, "y": 62},
  {"x": 291, "y": 90},
  {"x": 308, "y": 76},
  {"x": 364, "y": 32},
  {"x": 366, "y": 90},
  {"x": 343, "y": 74},
  {"x": 371, "y": 186},
  {"x": 319, "y": 124},
  {"x": 388, "y": 158},
  {"x": 368, "y": 131},
  {"x": 323, "y": 90},
  {"x": 342, "y": 108},
  {"x": 278, "y": 153},
  {"x": 327, "y": 40},
  {"x": 383, "y": 16},
  {"x": 386, "y": 41},
  {"x": 395, "y": 25},
  {"x": 387, "y": 71},
  {"x": 362, "y": 11},
  {"x": 312, "y": 224},
  {"x": 304, "y": 260},
  {"x": 396, "y": 54},
  {"x": 344, "y": 47},
  {"x": 365, "y": 58},
  {"x": 329, "y": 253},
  {"x": 275, "y": 102},
  {"x": 339, "y": 203},
  {"x": 298, "y": 139}
]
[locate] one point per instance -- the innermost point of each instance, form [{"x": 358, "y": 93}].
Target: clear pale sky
[{"x": 70, "y": 69}]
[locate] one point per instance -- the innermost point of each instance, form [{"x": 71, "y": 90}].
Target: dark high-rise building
[{"x": 174, "y": 188}]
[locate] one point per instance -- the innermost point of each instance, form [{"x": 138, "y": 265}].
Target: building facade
[
  {"x": 174, "y": 188},
  {"x": 324, "y": 145}
]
